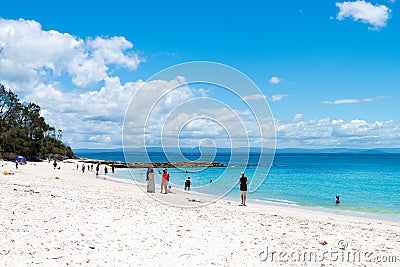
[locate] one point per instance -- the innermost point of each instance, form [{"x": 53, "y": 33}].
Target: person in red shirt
[{"x": 164, "y": 181}]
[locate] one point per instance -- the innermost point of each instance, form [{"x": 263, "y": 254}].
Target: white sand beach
[{"x": 80, "y": 220}]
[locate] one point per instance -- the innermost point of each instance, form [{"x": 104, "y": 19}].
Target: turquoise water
[{"x": 366, "y": 183}]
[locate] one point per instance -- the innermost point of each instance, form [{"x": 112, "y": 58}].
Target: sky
[{"x": 327, "y": 71}]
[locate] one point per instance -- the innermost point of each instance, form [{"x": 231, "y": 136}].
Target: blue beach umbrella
[{"x": 20, "y": 159}]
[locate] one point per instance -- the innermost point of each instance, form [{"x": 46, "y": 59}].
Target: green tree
[{"x": 23, "y": 130}]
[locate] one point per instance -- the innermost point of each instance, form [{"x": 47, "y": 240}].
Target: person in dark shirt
[
  {"x": 243, "y": 188},
  {"x": 187, "y": 184}
]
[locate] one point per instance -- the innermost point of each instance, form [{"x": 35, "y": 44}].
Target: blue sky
[{"x": 329, "y": 63}]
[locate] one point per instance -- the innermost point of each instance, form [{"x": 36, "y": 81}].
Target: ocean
[{"x": 368, "y": 184}]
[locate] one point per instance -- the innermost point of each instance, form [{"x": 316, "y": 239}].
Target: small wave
[{"x": 277, "y": 201}]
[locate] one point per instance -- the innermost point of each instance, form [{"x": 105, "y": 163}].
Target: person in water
[
  {"x": 243, "y": 188},
  {"x": 337, "y": 200}
]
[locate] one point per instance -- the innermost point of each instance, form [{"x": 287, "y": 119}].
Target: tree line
[{"x": 23, "y": 132}]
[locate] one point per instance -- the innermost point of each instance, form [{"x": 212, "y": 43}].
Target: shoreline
[
  {"x": 258, "y": 202},
  {"x": 347, "y": 212},
  {"x": 344, "y": 212},
  {"x": 139, "y": 165},
  {"x": 59, "y": 217}
]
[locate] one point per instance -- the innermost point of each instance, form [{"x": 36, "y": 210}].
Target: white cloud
[
  {"x": 278, "y": 97},
  {"x": 88, "y": 119},
  {"x": 275, "y": 80},
  {"x": 112, "y": 51},
  {"x": 95, "y": 118},
  {"x": 337, "y": 133},
  {"x": 31, "y": 54},
  {"x": 62, "y": 73},
  {"x": 224, "y": 126},
  {"x": 298, "y": 117},
  {"x": 76, "y": 83},
  {"x": 273, "y": 98},
  {"x": 352, "y": 101},
  {"x": 366, "y": 12},
  {"x": 254, "y": 97}
]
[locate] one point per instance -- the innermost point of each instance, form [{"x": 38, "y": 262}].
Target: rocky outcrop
[{"x": 181, "y": 164}]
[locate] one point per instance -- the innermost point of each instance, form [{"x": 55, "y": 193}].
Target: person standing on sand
[
  {"x": 83, "y": 167},
  {"x": 105, "y": 170},
  {"x": 164, "y": 181},
  {"x": 55, "y": 163},
  {"x": 97, "y": 170},
  {"x": 151, "y": 188},
  {"x": 187, "y": 184},
  {"x": 243, "y": 188},
  {"x": 112, "y": 167}
]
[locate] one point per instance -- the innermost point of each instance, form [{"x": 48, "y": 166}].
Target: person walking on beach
[
  {"x": 243, "y": 188},
  {"x": 55, "y": 163},
  {"x": 187, "y": 184},
  {"x": 77, "y": 166},
  {"x": 112, "y": 167},
  {"x": 105, "y": 170},
  {"x": 151, "y": 188},
  {"x": 91, "y": 167},
  {"x": 83, "y": 167},
  {"x": 97, "y": 170},
  {"x": 164, "y": 181}
]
